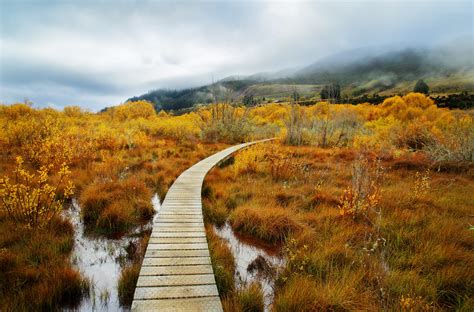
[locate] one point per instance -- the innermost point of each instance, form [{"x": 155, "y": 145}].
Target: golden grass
[
  {"x": 36, "y": 272},
  {"x": 247, "y": 299},
  {"x": 268, "y": 224},
  {"x": 127, "y": 282},
  {"x": 413, "y": 255}
]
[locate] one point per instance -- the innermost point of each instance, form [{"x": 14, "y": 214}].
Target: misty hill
[
  {"x": 359, "y": 72},
  {"x": 383, "y": 72},
  {"x": 180, "y": 99}
]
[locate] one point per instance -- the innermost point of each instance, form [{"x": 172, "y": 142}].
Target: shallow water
[
  {"x": 99, "y": 259},
  {"x": 245, "y": 251}
]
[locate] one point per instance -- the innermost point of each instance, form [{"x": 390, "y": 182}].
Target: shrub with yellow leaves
[
  {"x": 250, "y": 160},
  {"x": 30, "y": 199},
  {"x": 414, "y": 303},
  {"x": 364, "y": 194},
  {"x": 298, "y": 260},
  {"x": 132, "y": 110}
]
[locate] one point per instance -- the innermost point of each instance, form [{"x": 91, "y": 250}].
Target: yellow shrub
[
  {"x": 380, "y": 134},
  {"x": 131, "y": 110},
  {"x": 30, "y": 199},
  {"x": 250, "y": 160}
]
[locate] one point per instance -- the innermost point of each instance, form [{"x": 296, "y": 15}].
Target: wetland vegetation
[{"x": 368, "y": 207}]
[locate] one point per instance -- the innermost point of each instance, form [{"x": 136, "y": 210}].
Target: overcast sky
[{"x": 99, "y": 53}]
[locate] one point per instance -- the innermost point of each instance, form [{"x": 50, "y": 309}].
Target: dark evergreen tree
[{"x": 421, "y": 87}]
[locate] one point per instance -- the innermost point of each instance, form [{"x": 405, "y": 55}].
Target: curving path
[{"x": 176, "y": 273}]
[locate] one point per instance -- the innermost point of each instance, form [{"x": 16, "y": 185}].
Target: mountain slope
[{"x": 359, "y": 72}]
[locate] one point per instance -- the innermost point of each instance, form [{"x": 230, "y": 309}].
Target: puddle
[
  {"x": 246, "y": 252},
  {"x": 99, "y": 259}
]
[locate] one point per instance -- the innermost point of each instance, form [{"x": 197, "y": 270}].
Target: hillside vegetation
[{"x": 360, "y": 75}]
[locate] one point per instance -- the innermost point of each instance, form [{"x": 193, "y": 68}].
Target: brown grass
[
  {"x": 112, "y": 207},
  {"x": 36, "y": 273},
  {"x": 114, "y": 189},
  {"x": 127, "y": 282},
  {"x": 248, "y": 299},
  {"x": 131, "y": 270},
  {"x": 268, "y": 224},
  {"x": 413, "y": 254},
  {"x": 222, "y": 263}
]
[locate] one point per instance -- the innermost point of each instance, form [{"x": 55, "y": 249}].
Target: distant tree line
[
  {"x": 462, "y": 101},
  {"x": 180, "y": 101}
]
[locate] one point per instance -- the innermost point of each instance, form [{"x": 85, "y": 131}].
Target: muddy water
[
  {"x": 245, "y": 252},
  {"x": 99, "y": 259}
]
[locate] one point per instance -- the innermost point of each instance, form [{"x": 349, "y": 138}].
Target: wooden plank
[
  {"x": 177, "y": 240},
  {"x": 179, "y": 220},
  {"x": 176, "y": 261},
  {"x": 178, "y": 234},
  {"x": 162, "y": 228},
  {"x": 181, "y": 208},
  {"x": 176, "y": 270},
  {"x": 170, "y": 292},
  {"x": 186, "y": 227},
  {"x": 208, "y": 304},
  {"x": 177, "y": 246},
  {"x": 175, "y": 280},
  {"x": 176, "y": 253},
  {"x": 180, "y": 212}
]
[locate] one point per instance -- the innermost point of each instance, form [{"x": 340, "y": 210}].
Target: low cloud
[{"x": 96, "y": 55}]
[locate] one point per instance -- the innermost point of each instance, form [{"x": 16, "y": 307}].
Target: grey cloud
[
  {"x": 16, "y": 73},
  {"x": 93, "y": 53}
]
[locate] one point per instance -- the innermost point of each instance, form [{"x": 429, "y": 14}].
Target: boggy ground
[
  {"x": 358, "y": 231},
  {"x": 115, "y": 164},
  {"x": 114, "y": 192}
]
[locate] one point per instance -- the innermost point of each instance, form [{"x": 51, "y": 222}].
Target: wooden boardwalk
[{"x": 176, "y": 273}]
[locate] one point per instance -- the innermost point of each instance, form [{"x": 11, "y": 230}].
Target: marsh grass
[
  {"x": 244, "y": 298},
  {"x": 223, "y": 263},
  {"x": 127, "y": 282},
  {"x": 36, "y": 273},
  {"x": 413, "y": 255},
  {"x": 114, "y": 187},
  {"x": 271, "y": 225},
  {"x": 247, "y": 299},
  {"x": 131, "y": 270},
  {"x": 114, "y": 206}
]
